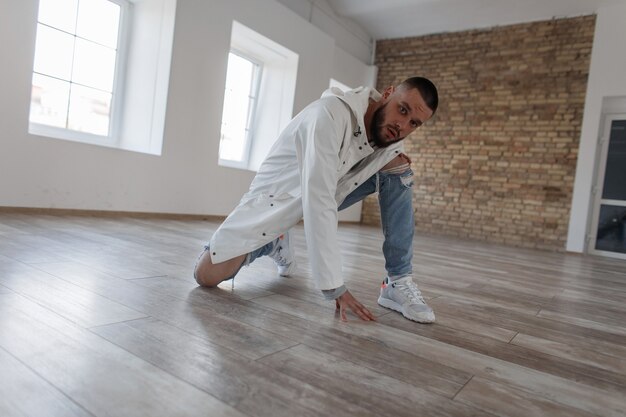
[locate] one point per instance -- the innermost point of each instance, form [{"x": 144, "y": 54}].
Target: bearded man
[{"x": 334, "y": 153}]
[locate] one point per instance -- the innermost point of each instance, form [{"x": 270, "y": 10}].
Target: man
[{"x": 334, "y": 153}]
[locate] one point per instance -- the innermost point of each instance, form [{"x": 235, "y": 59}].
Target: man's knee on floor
[
  {"x": 204, "y": 278},
  {"x": 205, "y": 271}
]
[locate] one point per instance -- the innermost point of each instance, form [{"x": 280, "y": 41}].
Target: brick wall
[{"x": 497, "y": 162}]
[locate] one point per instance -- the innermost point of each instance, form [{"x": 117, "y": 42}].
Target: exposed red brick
[{"x": 497, "y": 162}]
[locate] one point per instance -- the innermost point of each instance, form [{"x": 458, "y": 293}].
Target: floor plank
[
  {"x": 24, "y": 393},
  {"x": 591, "y": 357},
  {"x": 77, "y": 304},
  {"x": 100, "y": 377},
  {"x": 559, "y": 365},
  {"x": 361, "y": 385},
  {"x": 582, "y": 319},
  {"x": 14, "y": 249},
  {"x": 506, "y": 401},
  {"x": 221, "y": 329},
  {"x": 249, "y": 386},
  {"x": 320, "y": 327},
  {"x": 435, "y": 377},
  {"x": 558, "y": 331}
]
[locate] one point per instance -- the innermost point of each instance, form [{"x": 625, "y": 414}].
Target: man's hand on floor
[{"x": 347, "y": 301}]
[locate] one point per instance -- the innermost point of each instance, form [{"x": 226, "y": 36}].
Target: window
[
  {"x": 76, "y": 78},
  {"x": 258, "y": 97},
  {"x": 240, "y": 97}
]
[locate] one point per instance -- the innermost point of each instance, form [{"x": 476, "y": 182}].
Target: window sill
[
  {"x": 235, "y": 164},
  {"x": 49, "y": 132}
]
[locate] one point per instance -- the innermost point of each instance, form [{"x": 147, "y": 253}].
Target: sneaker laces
[{"x": 413, "y": 293}]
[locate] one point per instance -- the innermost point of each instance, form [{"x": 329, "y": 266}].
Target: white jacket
[{"x": 307, "y": 174}]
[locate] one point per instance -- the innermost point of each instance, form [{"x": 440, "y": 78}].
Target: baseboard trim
[
  {"x": 107, "y": 213},
  {"x": 127, "y": 214}
]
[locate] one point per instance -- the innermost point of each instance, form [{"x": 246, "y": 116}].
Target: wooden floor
[{"x": 101, "y": 317}]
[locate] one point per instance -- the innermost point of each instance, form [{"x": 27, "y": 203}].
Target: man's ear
[{"x": 388, "y": 91}]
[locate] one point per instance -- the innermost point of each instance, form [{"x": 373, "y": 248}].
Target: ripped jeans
[{"x": 395, "y": 198}]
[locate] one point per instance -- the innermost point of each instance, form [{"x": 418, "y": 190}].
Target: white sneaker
[
  {"x": 283, "y": 256},
  {"x": 402, "y": 295}
]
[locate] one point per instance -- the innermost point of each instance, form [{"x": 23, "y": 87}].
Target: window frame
[
  {"x": 117, "y": 93},
  {"x": 255, "y": 90}
]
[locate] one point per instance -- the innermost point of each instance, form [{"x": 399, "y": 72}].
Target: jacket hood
[{"x": 357, "y": 99}]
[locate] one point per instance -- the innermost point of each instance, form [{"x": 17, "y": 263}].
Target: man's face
[{"x": 402, "y": 111}]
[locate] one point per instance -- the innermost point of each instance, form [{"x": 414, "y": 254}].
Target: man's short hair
[{"x": 427, "y": 90}]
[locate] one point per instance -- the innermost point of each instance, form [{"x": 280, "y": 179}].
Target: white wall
[
  {"x": 348, "y": 35},
  {"x": 349, "y": 70},
  {"x": 38, "y": 172},
  {"x": 146, "y": 80},
  {"x": 607, "y": 78}
]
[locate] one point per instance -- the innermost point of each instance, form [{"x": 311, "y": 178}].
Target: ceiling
[{"x": 385, "y": 19}]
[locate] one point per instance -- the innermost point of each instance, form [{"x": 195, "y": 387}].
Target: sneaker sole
[{"x": 392, "y": 305}]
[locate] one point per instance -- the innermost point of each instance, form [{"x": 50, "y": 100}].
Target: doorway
[{"x": 608, "y": 230}]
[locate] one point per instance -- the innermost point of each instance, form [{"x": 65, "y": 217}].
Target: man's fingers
[
  {"x": 362, "y": 312},
  {"x": 358, "y": 309},
  {"x": 347, "y": 301},
  {"x": 365, "y": 312},
  {"x": 369, "y": 314}
]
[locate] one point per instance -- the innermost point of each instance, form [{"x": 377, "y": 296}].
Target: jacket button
[
  {"x": 356, "y": 183},
  {"x": 271, "y": 195},
  {"x": 344, "y": 162},
  {"x": 263, "y": 233},
  {"x": 214, "y": 253},
  {"x": 360, "y": 147},
  {"x": 397, "y": 151},
  {"x": 272, "y": 204}
]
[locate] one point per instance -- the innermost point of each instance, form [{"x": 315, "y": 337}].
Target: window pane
[
  {"x": 60, "y": 14},
  {"x": 94, "y": 65},
  {"x": 48, "y": 101},
  {"x": 98, "y": 21},
  {"x": 53, "y": 52},
  {"x": 236, "y": 109},
  {"x": 615, "y": 173},
  {"x": 89, "y": 110},
  {"x": 611, "y": 234}
]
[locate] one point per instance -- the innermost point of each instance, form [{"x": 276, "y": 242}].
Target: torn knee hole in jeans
[{"x": 407, "y": 180}]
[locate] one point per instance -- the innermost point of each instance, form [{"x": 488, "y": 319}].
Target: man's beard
[{"x": 377, "y": 127}]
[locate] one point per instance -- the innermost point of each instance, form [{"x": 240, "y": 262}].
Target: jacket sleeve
[{"x": 318, "y": 143}]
